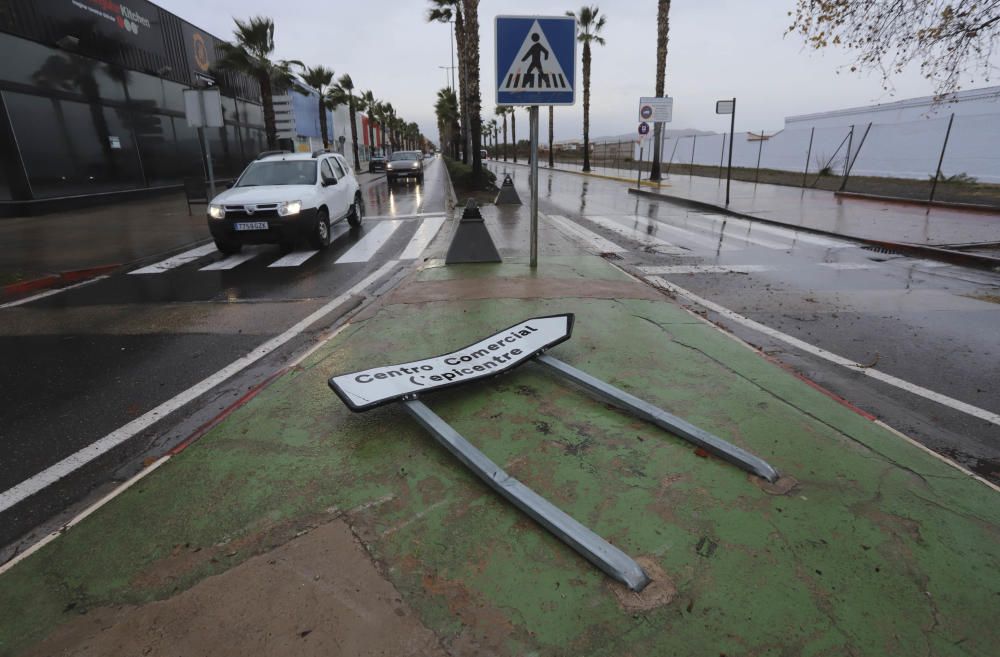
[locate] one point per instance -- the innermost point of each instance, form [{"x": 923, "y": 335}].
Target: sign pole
[
  {"x": 638, "y": 177},
  {"x": 729, "y": 167},
  {"x": 533, "y": 129}
]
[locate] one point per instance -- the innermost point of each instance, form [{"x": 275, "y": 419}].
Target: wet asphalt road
[
  {"x": 928, "y": 323},
  {"x": 81, "y": 364}
]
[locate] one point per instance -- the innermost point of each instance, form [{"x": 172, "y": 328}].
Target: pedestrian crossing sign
[{"x": 535, "y": 60}]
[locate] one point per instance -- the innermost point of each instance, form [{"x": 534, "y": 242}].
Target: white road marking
[
  {"x": 847, "y": 265},
  {"x": 177, "y": 260},
  {"x": 701, "y": 239},
  {"x": 293, "y": 259},
  {"x": 705, "y": 269},
  {"x": 428, "y": 228},
  {"x": 71, "y": 463},
  {"x": 586, "y": 237},
  {"x": 369, "y": 245},
  {"x": 229, "y": 262},
  {"x": 968, "y": 409},
  {"x": 419, "y": 215},
  {"x": 49, "y": 293},
  {"x": 636, "y": 235}
]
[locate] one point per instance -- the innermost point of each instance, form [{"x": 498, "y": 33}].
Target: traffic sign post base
[
  {"x": 472, "y": 241},
  {"x": 507, "y": 194}
]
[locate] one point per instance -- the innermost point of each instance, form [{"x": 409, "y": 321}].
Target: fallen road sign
[{"x": 494, "y": 355}]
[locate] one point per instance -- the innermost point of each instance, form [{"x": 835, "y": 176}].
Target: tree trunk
[
  {"x": 322, "y": 122},
  {"x": 505, "y": 136},
  {"x": 586, "y": 107},
  {"x": 662, "y": 34},
  {"x": 471, "y": 10},
  {"x": 371, "y": 136},
  {"x": 463, "y": 107},
  {"x": 354, "y": 132},
  {"x": 551, "y": 113},
  {"x": 513, "y": 131},
  {"x": 267, "y": 99}
]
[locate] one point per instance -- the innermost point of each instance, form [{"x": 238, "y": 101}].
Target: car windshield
[
  {"x": 404, "y": 155},
  {"x": 285, "y": 172}
]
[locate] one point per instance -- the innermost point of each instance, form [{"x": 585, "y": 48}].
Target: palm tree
[
  {"x": 470, "y": 10},
  {"x": 662, "y": 33},
  {"x": 503, "y": 111},
  {"x": 343, "y": 94},
  {"x": 589, "y": 26},
  {"x": 251, "y": 54},
  {"x": 371, "y": 106},
  {"x": 513, "y": 130},
  {"x": 493, "y": 132},
  {"x": 447, "y": 112},
  {"x": 319, "y": 78},
  {"x": 447, "y": 11},
  {"x": 551, "y": 113}
]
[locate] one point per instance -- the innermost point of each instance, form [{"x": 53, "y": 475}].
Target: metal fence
[{"x": 952, "y": 159}]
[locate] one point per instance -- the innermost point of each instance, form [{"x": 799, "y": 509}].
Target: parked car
[
  {"x": 376, "y": 163},
  {"x": 483, "y": 154},
  {"x": 405, "y": 164},
  {"x": 283, "y": 198}
]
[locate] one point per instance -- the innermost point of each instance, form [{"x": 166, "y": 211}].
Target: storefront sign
[
  {"x": 488, "y": 357},
  {"x": 132, "y": 21}
]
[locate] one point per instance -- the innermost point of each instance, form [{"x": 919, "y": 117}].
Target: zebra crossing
[{"x": 363, "y": 250}]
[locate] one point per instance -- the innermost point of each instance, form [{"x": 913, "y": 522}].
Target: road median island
[{"x": 874, "y": 548}]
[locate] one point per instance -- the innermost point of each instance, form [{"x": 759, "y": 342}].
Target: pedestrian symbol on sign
[{"x": 533, "y": 67}]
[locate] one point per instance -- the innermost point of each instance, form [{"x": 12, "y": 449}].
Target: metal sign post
[
  {"x": 526, "y": 341},
  {"x": 535, "y": 65},
  {"x": 728, "y": 107},
  {"x": 203, "y": 109}
]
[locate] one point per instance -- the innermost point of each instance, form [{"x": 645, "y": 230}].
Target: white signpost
[{"x": 203, "y": 109}]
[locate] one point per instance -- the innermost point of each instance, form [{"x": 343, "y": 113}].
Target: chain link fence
[{"x": 952, "y": 159}]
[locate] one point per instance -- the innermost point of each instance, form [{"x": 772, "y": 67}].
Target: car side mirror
[{"x": 329, "y": 181}]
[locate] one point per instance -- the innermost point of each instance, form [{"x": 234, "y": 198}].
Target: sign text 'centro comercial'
[{"x": 490, "y": 356}]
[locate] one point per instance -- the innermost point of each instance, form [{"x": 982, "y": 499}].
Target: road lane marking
[
  {"x": 636, "y": 235},
  {"x": 419, "y": 215},
  {"x": 849, "y": 266},
  {"x": 49, "y": 293},
  {"x": 372, "y": 241},
  {"x": 73, "y": 462},
  {"x": 293, "y": 259},
  {"x": 428, "y": 228},
  {"x": 586, "y": 237},
  {"x": 177, "y": 260},
  {"x": 709, "y": 241},
  {"x": 944, "y": 400},
  {"x": 229, "y": 262},
  {"x": 705, "y": 269}
]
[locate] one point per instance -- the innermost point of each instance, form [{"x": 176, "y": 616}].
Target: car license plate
[{"x": 251, "y": 225}]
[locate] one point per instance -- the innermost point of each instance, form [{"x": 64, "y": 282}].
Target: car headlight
[
  {"x": 216, "y": 211},
  {"x": 388, "y": 166},
  {"x": 289, "y": 208}
]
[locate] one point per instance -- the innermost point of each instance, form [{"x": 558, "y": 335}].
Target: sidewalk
[
  {"x": 821, "y": 210},
  {"x": 94, "y": 239},
  {"x": 298, "y": 527}
]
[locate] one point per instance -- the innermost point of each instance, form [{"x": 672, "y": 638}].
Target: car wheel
[
  {"x": 356, "y": 213},
  {"x": 420, "y": 179},
  {"x": 320, "y": 238},
  {"x": 228, "y": 247}
]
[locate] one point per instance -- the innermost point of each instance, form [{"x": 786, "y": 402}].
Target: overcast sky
[{"x": 718, "y": 49}]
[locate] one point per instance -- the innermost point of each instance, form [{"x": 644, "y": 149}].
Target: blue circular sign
[
  {"x": 646, "y": 112},
  {"x": 643, "y": 128}
]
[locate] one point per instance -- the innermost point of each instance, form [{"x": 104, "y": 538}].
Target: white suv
[{"x": 281, "y": 198}]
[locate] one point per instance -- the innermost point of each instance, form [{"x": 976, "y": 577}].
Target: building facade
[{"x": 91, "y": 102}]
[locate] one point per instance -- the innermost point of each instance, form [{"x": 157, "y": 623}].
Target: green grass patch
[{"x": 482, "y": 187}]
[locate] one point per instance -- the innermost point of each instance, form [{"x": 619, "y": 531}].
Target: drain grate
[
  {"x": 611, "y": 255},
  {"x": 881, "y": 249}
]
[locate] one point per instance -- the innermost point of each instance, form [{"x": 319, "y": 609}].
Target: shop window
[
  {"x": 72, "y": 148},
  {"x": 189, "y": 157},
  {"x": 251, "y": 114},
  {"x": 44, "y": 68}
]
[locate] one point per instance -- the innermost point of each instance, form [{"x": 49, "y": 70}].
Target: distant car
[
  {"x": 282, "y": 198},
  {"x": 377, "y": 163},
  {"x": 405, "y": 164},
  {"x": 483, "y": 153}
]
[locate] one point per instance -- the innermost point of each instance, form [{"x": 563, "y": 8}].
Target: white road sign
[
  {"x": 488, "y": 357},
  {"x": 724, "y": 106},
  {"x": 656, "y": 109},
  {"x": 203, "y": 107}
]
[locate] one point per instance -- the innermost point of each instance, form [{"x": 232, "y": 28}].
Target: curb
[
  {"x": 589, "y": 174},
  {"x": 953, "y": 205},
  {"x": 931, "y": 252},
  {"x": 22, "y": 288}
]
